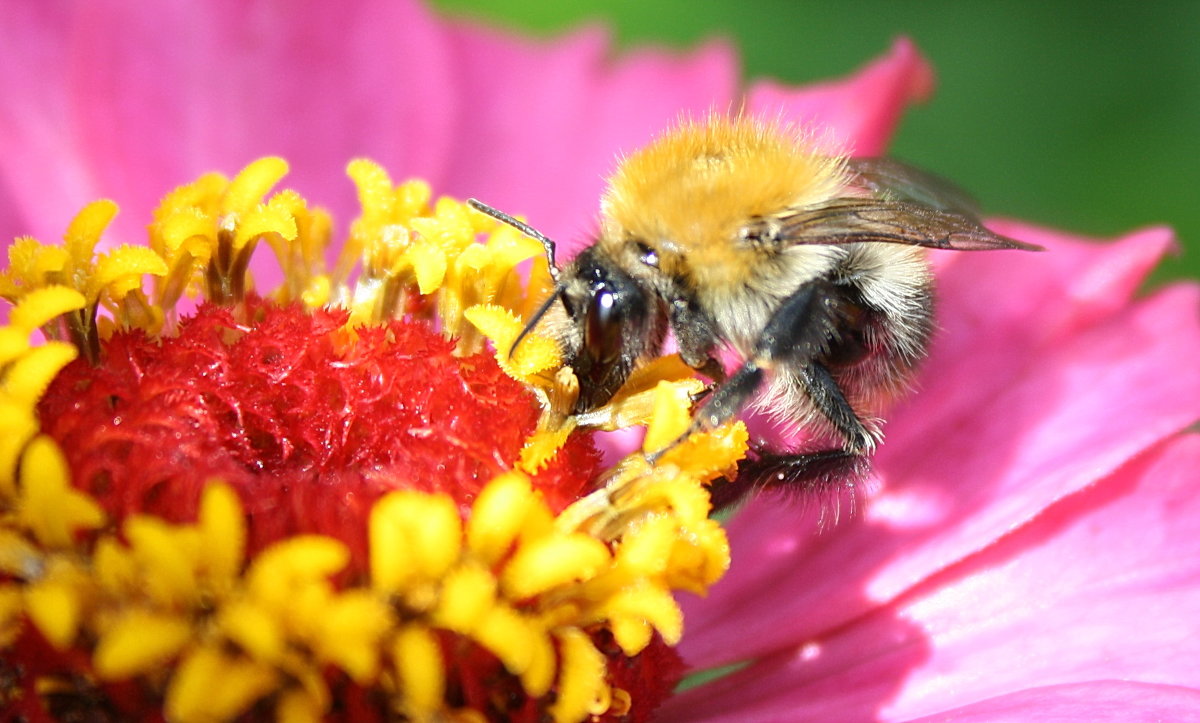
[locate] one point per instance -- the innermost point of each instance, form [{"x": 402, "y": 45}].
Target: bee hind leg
[
  {"x": 831, "y": 402},
  {"x": 828, "y": 474}
]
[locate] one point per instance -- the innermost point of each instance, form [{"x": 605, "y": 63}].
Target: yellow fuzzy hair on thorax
[{"x": 693, "y": 188}]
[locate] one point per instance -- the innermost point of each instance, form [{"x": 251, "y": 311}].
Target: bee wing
[
  {"x": 890, "y": 179},
  {"x": 859, "y": 220}
]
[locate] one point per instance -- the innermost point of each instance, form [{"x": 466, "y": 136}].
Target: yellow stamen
[
  {"x": 85, "y": 230},
  {"x": 49, "y": 507},
  {"x": 536, "y": 354},
  {"x": 41, "y": 305},
  {"x": 414, "y": 537},
  {"x": 213, "y": 685},
  {"x": 553, "y": 560},
  {"x": 247, "y": 188},
  {"x": 420, "y": 666},
  {"x": 222, "y": 534},
  {"x": 138, "y": 641},
  {"x": 582, "y": 667},
  {"x": 54, "y": 605}
]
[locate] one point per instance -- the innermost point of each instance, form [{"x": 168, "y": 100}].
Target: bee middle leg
[{"x": 793, "y": 340}]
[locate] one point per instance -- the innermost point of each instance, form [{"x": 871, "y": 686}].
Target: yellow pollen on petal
[
  {"x": 553, "y": 560},
  {"x": 31, "y": 265},
  {"x": 581, "y": 691},
  {"x": 286, "y": 568},
  {"x": 139, "y": 642},
  {"x": 375, "y": 193},
  {"x": 297, "y": 706},
  {"x": 421, "y": 668},
  {"x": 670, "y": 418},
  {"x": 54, "y": 609},
  {"x": 535, "y": 354},
  {"x": 262, "y": 220},
  {"x": 85, "y": 229},
  {"x": 27, "y": 378},
  {"x": 429, "y": 264},
  {"x": 255, "y": 628},
  {"x": 168, "y": 553},
  {"x": 350, "y": 632},
  {"x": 468, "y": 592},
  {"x": 255, "y": 181},
  {"x": 520, "y": 644},
  {"x": 541, "y": 447},
  {"x": 499, "y": 514},
  {"x": 212, "y": 685},
  {"x": 40, "y": 306},
  {"x": 412, "y": 536},
  {"x": 120, "y": 271},
  {"x": 50, "y": 508},
  {"x": 185, "y": 232},
  {"x": 650, "y": 604},
  {"x": 222, "y": 531},
  {"x": 646, "y": 549}
]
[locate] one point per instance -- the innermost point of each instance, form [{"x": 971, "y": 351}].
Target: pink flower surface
[{"x": 1032, "y": 545}]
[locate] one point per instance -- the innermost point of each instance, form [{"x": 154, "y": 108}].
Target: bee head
[
  {"x": 612, "y": 324},
  {"x": 612, "y": 319}
]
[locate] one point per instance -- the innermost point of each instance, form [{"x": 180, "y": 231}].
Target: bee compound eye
[
  {"x": 602, "y": 330},
  {"x": 604, "y": 305}
]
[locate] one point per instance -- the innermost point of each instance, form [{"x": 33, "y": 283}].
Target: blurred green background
[{"x": 1083, "y": 115}]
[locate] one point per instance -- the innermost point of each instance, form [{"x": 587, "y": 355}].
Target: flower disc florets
[{"x": 328, "y": 501}]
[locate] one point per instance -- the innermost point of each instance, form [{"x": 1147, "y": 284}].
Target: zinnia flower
[{"x": 317, "y": 494}]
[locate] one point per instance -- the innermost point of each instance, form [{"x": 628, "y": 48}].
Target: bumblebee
[{"x": 736, "y": 232}]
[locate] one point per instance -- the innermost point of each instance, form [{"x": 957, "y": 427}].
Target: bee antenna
[
  {"x": 533, "y": 320},
  {"x": 529, "y": 231}
]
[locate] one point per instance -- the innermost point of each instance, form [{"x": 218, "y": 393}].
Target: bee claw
[{"x": 696, "y": 397}]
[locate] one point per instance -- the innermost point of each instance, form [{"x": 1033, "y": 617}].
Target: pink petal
[
  {"x": 160, "y": 96},
  {"x": 547, "y": 121},
  {"x": 1073, "y": 283},
  {"x": 157, "y": 96},
  {"x": 858, "y": 114},
  {"x": 39, "y": 150},
  {"x": 991, "y": 439},
  {"x": 1110, "y": 700},
  {"x": 1101, "y": 586}
]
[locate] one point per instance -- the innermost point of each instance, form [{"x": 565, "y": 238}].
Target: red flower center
[{"x": 308, "y": 421}]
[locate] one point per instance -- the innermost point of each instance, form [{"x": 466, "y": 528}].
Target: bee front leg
[{"x": 695, "y": 333}]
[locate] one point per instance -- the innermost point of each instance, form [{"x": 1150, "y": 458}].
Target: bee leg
[
  {"x": 712, "y": 369},
  {"x": 694, "y": 333},
  {"x": 722, "y": 405},
  {"x": 830, "y": 471},
  {"x": 794, "y": 335},
  {"x": 828, "y": 398}
]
